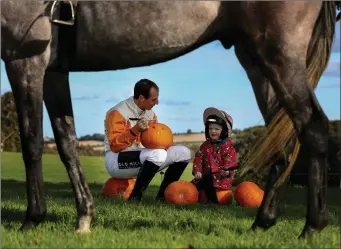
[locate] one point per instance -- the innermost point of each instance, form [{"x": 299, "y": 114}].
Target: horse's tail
[{"x": 280, "y": 133}]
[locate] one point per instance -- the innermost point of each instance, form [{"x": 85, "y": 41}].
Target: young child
[{"x": 215, "y": 160}]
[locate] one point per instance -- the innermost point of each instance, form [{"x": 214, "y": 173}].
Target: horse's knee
[
  {"x": 157, "y": 156},
  {"x": 32, "y": 148},
  {"x": 68, "y": 150},
  {"x": 32, "y": 156},
  {"x": 315, "y": 138}
]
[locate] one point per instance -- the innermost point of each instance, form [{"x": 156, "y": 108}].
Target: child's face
[{"x": 214, "y": 130}]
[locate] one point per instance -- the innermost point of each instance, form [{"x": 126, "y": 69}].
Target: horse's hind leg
[
  {"x": 268, "y": 105},
  {"x": 283, "y": 61},
  {"x": 26, "y": 79},
  {"x": 58, "y": 104}
]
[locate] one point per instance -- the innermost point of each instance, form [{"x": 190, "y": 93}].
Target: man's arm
[{"x": 118, "y": 135}]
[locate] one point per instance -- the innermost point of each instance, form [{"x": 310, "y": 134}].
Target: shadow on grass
[
  {"x": 9, "y": 216},
  {"x": 292, "y": 207}
]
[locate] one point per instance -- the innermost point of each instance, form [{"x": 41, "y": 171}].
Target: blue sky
[{"x": 209, "y": 76}]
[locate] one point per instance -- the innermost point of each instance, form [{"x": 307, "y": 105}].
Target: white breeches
[{"x": 162, "y": 158}]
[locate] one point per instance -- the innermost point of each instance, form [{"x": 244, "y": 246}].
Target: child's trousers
[{"x": 206, "y": 184}]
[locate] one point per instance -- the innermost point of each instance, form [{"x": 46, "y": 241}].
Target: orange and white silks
[
  {"x": 119, "y": 126},
  {"x": 119, "y": 141}
]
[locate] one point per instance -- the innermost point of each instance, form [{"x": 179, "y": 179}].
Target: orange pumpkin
[
  {"x": 224, "y": 197},
  {"x": 248, "y": 194},
  {"x": 181, "y": 192},
  {"x": 118, "y": 188},
  {"x": 157, "y": 136}
]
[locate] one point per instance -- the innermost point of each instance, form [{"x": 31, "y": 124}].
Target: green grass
[{"x": 118, "y": 224}]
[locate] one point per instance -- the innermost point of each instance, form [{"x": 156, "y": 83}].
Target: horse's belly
[{"x": 116, "y": 35}]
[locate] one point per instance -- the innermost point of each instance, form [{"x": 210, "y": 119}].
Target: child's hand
[
  {"x": 225, "y": 173},
  {"x": 198, "y": 176}
]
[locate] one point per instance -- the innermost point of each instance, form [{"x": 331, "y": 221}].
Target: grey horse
[{"x": 283, "y": 46}]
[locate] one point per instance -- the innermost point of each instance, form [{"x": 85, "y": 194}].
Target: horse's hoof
[
  {"x": 82, "y": 231},
  {"x": 303, "y": 235},
  {"x": 83, "y": 226},
  {"x": 256, "y": 227},
  {"x": 251, "y": 230},
  {"x": 307, "y": 233},
  {"x": 26, "y": 226}
]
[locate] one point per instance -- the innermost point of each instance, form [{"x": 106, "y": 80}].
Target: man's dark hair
[{"x": 142, "y": 87}]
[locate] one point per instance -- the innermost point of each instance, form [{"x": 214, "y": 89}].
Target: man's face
[{"x": 148, "y": 104}]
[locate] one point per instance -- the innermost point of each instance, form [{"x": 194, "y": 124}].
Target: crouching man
[{"x": 126, "y": 157}]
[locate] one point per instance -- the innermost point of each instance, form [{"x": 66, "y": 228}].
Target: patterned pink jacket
[{"x": 216, "y": 160}]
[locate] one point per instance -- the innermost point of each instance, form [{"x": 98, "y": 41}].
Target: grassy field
[{"x": 119, "y": 224}]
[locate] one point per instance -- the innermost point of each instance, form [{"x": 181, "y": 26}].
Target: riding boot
[
  {"x": 144, "y": 177},
  {"x": 173, "y": 173}
]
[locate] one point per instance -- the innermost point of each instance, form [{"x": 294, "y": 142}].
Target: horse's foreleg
[
  {"x": 268, "y": 106},
  {"x": 26, "y": 79},
  {"x": 58, "y": 103},
  {"x": 288, "y": 76}
]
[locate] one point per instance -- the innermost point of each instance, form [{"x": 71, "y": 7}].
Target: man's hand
[
  {"x": 141, "y": 125},
  {"x": 198, "y": 176},
  {"x": 152, "y": 121}
]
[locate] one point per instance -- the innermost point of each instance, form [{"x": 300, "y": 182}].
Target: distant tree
[
  {"x": 95, "y": 136},
  {"x": 189, "y": 131},
  {"x": 236, "y": 131},
  {"x": 10, "y": 136}
]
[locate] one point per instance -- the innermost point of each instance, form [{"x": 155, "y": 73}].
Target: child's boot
[{"x": 209, "y": 189}]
